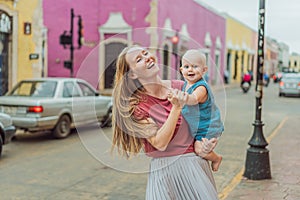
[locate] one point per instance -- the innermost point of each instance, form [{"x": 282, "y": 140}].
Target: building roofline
[{"x": 210, "y": 8}]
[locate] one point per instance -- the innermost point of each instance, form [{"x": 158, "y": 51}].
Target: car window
[
  {"x": 35, "y": 89},
  {"x": 70, "y": 90},
  {"x": 86, "y": 90},
  {"x": 293, "y": 77}
]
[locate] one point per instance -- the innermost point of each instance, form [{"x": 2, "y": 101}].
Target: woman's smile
[{"x": 150, "y": 65}]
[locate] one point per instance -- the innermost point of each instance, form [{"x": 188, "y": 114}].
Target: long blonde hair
[{"x": 128, "y": 132}]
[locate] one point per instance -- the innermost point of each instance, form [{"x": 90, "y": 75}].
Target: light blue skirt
[{"x": 183, "y": 177}]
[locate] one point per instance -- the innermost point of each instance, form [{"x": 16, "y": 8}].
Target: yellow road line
[
  {"x": 234, "y": 182},
  {"x": 270, "y": 137},
  {"x": 237, "y": 178}
]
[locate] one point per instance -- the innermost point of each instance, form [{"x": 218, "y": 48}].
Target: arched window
[
  {"x": 165, "y": 62},
  {"x": 5, "y": 22}
]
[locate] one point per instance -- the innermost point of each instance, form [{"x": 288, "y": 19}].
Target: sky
[{"x": 282, "y": 18}]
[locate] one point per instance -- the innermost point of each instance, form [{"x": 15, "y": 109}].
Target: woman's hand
[{"x": 177, "y": 98}]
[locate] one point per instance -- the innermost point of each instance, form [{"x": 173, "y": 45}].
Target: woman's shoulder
[{"x": 174, "y": 83}]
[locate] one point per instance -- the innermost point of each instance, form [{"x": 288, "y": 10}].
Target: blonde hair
[{"x": 128, "y": 132}]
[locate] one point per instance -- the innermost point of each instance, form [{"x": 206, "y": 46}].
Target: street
[{"x": 82, "y": 167}]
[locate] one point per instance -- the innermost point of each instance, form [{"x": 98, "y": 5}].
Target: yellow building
[
  {"x": 241, "y": 43},
  {"x": 21, "y": 33},
  {"x": 294, "y": 63}
]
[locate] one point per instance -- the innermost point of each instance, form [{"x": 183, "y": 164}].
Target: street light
[{"x": 257, "y": 160}]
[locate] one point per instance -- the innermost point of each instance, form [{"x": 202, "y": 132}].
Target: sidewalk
[{"x": 284, "y": 147}]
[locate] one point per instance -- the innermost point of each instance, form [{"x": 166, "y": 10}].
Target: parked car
[
  {"x": 7, "y": 130},
  {"x": 56, "y": 104},
  {"x": 290, "y": 84}
]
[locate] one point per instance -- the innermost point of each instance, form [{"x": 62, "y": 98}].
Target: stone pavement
[{"x": 284, "y": 147}]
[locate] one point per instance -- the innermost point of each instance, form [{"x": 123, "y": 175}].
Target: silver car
[
  {"x": 7, "y": 130},
  {"x": 289, "y": 84},
  {"x": 56, "y": 104}
]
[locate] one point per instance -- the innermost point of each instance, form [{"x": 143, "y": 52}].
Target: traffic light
[
  {"x": 68, "y": 64},
  {"x": 175, "y": 40},
  {"x": 80, "y": 32},
  {"x": 65, "y": 39}
]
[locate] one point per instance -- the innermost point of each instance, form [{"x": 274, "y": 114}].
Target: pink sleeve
[
  {"x": 140, "y": 114},
  {"x": 177, "y": 84}
]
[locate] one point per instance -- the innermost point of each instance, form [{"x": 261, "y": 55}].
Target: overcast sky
[{"x": 282, "y": 17}]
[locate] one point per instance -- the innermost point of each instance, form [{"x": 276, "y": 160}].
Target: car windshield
[{"x": 34, "y": 89}]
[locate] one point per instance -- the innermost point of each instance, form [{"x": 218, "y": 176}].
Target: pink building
[{"x": 109, "y": 26}]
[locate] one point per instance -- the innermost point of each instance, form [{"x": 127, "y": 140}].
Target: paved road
[{"x": 81, "y": 166}]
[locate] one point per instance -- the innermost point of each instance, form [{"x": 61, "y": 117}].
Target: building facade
[
  {"x": 241, "y": 42},
  {"x": 271, "y": 63},
  {"x": 294, "y": 63},
  {"x": 109, "y": 26},
  {"x": 20, "y": 44},
  {"x": 284, "y": 56},
  {"x": 30, "y": 45}
]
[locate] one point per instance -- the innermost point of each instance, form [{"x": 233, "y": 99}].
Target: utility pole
[
  {"x": 257, "y": 160},
  {"x": 66, "y": 40},
  {"x": 72, "y": 46}
]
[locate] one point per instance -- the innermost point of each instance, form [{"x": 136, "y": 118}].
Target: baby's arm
[{"x": 199, "y": 95}]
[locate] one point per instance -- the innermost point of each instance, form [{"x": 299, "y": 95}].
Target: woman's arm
[
  {"x": 199, "y": 95},
  {"x": 163, "y": 136}
]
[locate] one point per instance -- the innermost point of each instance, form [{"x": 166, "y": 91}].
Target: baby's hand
[
  {"x": 177, "y": 97},
  {"x": 209, "y": 145}
]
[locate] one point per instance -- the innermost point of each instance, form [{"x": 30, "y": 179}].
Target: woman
[{"x": 146, "y": 116}]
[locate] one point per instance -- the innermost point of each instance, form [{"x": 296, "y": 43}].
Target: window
[
  {"x": 86, "y": 90},
  {"x": 166, "y": 62},
  {"x": 216, "y": 70},
  {"x": 44, "y": 89},
  {"x": 70, "y": 90},
  {"x": 35, "y": 89}
]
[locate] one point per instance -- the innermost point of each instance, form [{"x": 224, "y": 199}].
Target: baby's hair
[{"x": 194, "y": 54}]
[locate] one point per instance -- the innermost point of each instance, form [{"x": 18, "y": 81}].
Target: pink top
[
  {"x": 247, "y": 77},
  {"x": 158, "y": 109}
]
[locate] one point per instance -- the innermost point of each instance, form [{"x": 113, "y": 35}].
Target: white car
[
  {"x": 7, "y": 130},
  {"x": 56, "y": 104},
  {"x": 290, "y": 84}
]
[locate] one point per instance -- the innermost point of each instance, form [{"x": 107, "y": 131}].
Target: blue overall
[{"x": 204, "y": 119}]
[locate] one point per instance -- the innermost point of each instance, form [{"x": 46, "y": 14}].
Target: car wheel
[
  {"x": 63, "y": 127},
  {"x": 1, "y": 144},
  {"x": 106, "y": 121}
]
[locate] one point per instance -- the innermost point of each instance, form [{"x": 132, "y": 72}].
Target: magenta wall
[
  {"x": 199, "y": 20},
  {"x": 96, "y": 12}
]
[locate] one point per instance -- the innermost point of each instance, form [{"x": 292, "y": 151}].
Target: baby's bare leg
[
  {"x": 211, "y": 156},
  {"x": 215, "y": 160}
]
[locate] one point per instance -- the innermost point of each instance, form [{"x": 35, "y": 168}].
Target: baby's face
[{"x": 192, "y": 71}]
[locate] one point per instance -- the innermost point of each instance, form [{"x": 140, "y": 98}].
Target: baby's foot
[{"x": 215, "y": 164}]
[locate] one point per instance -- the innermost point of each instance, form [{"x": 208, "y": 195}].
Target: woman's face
[{"x": 141, "y": 62}]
